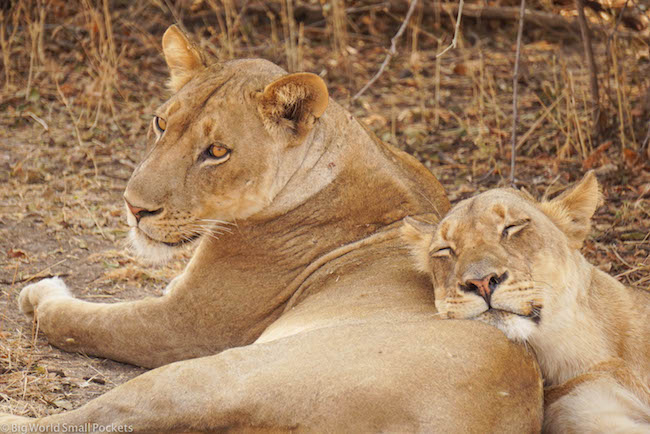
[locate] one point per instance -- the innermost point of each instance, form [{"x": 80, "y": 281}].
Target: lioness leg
[
  {"x": 598, "y": 406},
  {"x": 148, "y": 332},
  {"x": 442, "y": 376}
]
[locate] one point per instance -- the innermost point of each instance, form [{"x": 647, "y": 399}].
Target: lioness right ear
[
  {"x": 418, "y": 235},
  {"x": 572, "y": 210},
  {"x": 183, "y": 58},
  {"x": 291, "y": 105}
]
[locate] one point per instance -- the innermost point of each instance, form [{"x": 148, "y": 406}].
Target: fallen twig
[
  {"x": 391, "y": 51},
  {"x": 539, "y": 121},
  {"x": 28, "y": 279},
  {"x": 515, "y": 82},
  {"x": 40, "y": 273},
  {"x": 40, "y": 121}
]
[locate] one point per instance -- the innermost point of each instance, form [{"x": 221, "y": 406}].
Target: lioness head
[
  {"x": 221, "y": 148},
  {"x": 503, "y": 258}
]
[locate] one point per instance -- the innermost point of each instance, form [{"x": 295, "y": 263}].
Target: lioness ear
[
  {"x": 291, "y": 105},
  {"x": 418, "y": 235},
  {"x": 183, "y": 58},
  {"x": 572, "y": 210}
]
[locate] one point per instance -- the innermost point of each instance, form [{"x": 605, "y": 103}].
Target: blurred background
[{"x": 79, "y": 81}]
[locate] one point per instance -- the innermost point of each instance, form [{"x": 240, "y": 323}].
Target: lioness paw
[{"x": 36, "y": 293}]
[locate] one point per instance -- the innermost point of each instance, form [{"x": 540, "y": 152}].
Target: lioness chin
[{"x": 507, "y": 260}]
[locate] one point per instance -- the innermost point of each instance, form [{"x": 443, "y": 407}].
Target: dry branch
[
  {"x": 454, "y": 41},
  {"x": 538, "y": 18},
  {"x": 391, "y": 52},
  {"x": 593, "y": 72},
  {"x": 312, "y": 14},
  {"x": 515, "y": 83}
]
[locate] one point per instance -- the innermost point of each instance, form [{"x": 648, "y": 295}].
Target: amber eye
[
  {"x": 160, "y": 124},
  {"x": 218, "y": 151}
]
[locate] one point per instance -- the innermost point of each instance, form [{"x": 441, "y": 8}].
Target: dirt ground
[{"x": 74, "y": 119}]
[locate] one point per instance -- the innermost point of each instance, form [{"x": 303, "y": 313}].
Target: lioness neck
[
  {"x": 589, "y": 324},
  {"x": 348, "y": 186},
  {"x": 345, "y": 163}
]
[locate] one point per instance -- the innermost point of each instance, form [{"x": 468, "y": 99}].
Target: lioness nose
[
  {"x": 138, "y": 212},
  {"x": 484, "y": 286}
]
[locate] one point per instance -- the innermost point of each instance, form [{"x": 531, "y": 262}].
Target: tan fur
[
  {"x": 590, "y": 333},
  {"x": 299, "y": 310}
]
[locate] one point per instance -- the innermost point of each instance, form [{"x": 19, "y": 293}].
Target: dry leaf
[
  {"x": 631, "y": 158},
  {"x": 15, "y": 253}
]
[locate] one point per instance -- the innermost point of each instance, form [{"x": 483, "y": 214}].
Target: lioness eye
[
  {"x": 160, "y": 124},
  {"x": 218, "y": 151},
  {"x": 443, "y": 252},
  {"x": 512, "y": 229}
]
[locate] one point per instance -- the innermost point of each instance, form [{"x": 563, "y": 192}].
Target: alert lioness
[
  {"x": 303, "y": 314},
  {"x": 510, "y": 261}
]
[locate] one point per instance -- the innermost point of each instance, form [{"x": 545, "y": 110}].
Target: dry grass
[{"x": 79, "y": 84}]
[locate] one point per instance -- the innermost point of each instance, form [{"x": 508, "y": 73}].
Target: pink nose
[
  {"x": 138, "y": 212},
  {"x": 484, "y": 286},
  {"x": 134, "y": 210}
]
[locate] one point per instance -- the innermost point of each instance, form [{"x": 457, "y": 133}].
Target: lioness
[
  {"x": 507, "y": 260},
  {"x": 304, "y": 313}
]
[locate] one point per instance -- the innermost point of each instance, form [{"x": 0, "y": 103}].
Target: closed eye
[
  {"x": 443, "y": 252},
  {"x": 514, "y": 228}
]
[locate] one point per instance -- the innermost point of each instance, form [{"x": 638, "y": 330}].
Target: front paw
[{"x": 37, "y": 293}]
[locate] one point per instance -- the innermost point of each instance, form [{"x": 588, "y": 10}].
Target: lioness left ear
[
  {"x": 291, "y": 105},
  {"x": 418, "y": 235},
  {"x": 183, "y": 58},
  {"x": 572, "y": 210}
]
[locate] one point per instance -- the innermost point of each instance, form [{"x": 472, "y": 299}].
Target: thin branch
[
  {"x": 618, "y": 20},
  {"x": 539, "y": 121},
  {"x": 391, "y": 52},
  {"x": 454, "y": 41},
  {"x": 537, "y": 18},
  {"x": 75, "y": 122},
  {"x": 593, "y": 71},
  {"x": 175, "y": 14},
  {"x": 646, "y": 141},
  {"x": 515, "y": 83},
  {"x": 608, "y": 53}
]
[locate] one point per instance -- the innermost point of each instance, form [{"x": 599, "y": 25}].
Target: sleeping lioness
[
  {"x": 507, "y": 260},
  {"x": 299, "y": 310}
]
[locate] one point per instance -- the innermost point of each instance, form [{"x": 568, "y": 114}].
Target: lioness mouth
[
  {"x": 171, "y": 244},
  {"x": 534, "y": 316},
  {"x": 182, "y": 242}
]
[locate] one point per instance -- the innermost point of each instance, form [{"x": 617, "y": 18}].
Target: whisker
[
  {"x": 214, "y": 225},
  {"x": 218, "y": 221},
  {"x": 216, "y": 228},
  {"x": 202, "y": 231}
]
